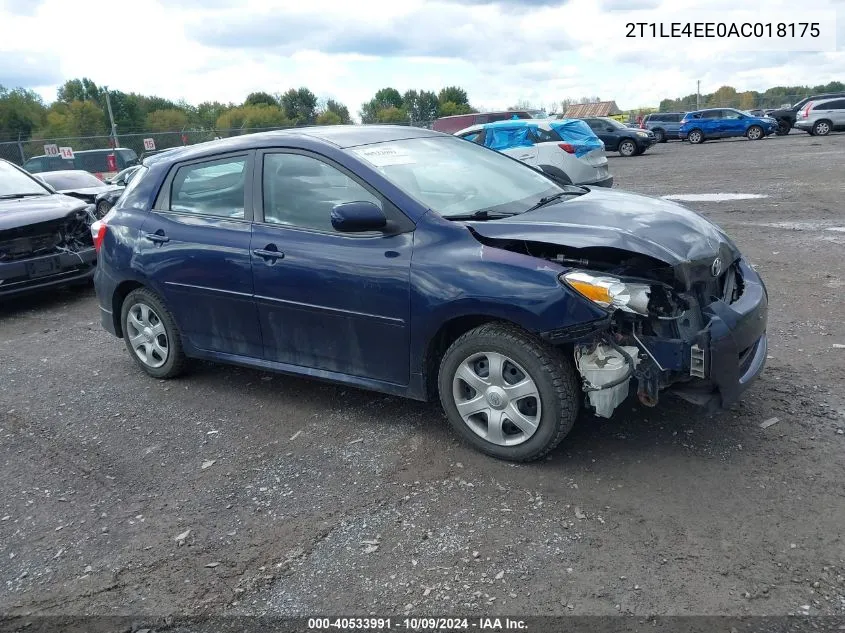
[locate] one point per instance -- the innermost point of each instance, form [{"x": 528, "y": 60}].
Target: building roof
[{"x": 602, "y": 108}]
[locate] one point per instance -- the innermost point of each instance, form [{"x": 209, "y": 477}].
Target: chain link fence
[{"x": 20, "y": 151}]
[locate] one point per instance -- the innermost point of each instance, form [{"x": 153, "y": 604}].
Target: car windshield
[
  {"x": 457, "y": 179},
  {"x": 71, "y": 180},
  {"x": 16, "y": 184}
]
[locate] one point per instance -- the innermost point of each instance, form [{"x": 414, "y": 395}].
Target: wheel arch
[{"x": 118, "y": 296}]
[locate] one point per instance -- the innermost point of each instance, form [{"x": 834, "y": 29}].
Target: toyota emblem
[{"x": 716, "y": 267}]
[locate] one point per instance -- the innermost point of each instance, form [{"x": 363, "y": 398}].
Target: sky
[{"x": 501, "y": 51}]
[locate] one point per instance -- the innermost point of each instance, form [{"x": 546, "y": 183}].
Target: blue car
[
  {"x": 704, "y": 125},
  {"x": 413, "y": 263}
]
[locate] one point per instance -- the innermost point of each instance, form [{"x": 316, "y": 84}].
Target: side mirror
[{"x": 358, "y": 217}]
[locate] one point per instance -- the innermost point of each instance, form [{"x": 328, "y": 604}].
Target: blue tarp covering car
[{"x": 503, "y": 135}]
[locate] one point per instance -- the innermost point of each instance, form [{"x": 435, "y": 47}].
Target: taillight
[
  {"x": 566, "y": 147},
  {"x": 806, "y": 111},
  {"x": 98, "y": 233}
]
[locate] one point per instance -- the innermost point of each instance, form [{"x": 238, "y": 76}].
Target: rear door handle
[
  {"x": 158, "y": 237},
  {"x": 268, "y": 254}
]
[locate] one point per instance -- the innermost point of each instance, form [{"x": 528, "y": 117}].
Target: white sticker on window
[{"x": 385, "y": 156}]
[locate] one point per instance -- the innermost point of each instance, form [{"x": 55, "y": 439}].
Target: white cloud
[{"x": 500, "y": 51}]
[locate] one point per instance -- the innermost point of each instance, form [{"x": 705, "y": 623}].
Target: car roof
[
  {"x": 823, "y": 100},
  {"x": 340, "y": 136}
]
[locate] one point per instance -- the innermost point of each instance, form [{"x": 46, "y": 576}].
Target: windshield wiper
[
  {"x": 482, "y": 214},
  {"x": 14, "y": 196}
]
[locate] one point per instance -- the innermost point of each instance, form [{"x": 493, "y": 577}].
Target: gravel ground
[{"x": 232, "y": 491}]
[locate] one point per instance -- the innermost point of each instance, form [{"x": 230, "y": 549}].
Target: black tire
[
  {"x": 552, "y": 373},
  {"x": 103, "y": 207},
  {"x": 821, "y": 127},
  {"x": 783, "y": 127},
  {"x": 755, "y": 133},
  {"x": 627, "y": 147},
  {"x": 660, "y": 135},
  {"x": 695, "y": 136},
  {"x": 175, "y": 361}
]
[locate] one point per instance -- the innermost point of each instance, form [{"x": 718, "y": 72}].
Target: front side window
[
  {"x": 454, "y": 178},
  {"x": 301, "y": 191},
  {"x": 211, "y": 188},
  {"x": 732, "y": 114}
]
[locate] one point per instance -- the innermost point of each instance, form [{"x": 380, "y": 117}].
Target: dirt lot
[{"x": 296, "y": 497}]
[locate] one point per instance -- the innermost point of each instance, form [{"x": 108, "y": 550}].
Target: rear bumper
[
  {"x": 803, "y": 124},
  {"x": 48, "y": 271},
  {"x": 604, "y": 182}
]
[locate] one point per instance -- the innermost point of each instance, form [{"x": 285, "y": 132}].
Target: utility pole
[
  {"x": 697, "y": 95},
  {"x": 111, "y": 117}
]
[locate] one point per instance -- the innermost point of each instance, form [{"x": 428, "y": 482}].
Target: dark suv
[
  {"x": 786, "y": 116},
  {"x": 665, "y": 125}
]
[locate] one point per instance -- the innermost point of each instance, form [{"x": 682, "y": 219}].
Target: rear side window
[
  {"x": 712, "y": 114},
  {"x": 211, "y": 188},
  {"x": 834, "y": 105},
  {"x": 34, "y": 165}
]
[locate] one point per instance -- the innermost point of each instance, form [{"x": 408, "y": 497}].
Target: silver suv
[
  {"x": 665, "y": 125},
  {"x": 819, "y": 118}
]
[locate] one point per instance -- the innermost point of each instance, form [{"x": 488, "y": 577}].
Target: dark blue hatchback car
[{"x": 417, "y": 264}]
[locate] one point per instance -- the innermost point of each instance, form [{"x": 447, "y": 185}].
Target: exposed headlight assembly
[{"x": 610, "y": 292}]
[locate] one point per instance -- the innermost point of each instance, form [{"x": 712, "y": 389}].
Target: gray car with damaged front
[{"x": 45, "y": 239}]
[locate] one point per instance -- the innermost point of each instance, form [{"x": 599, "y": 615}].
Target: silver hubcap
[
  {"x": 695, "y": 137},
  {"x": 754, "y": 133},
  {"x": 822, "y": 128},
  {"x": 627, "y": 148},
  {"x": 147, "y": 335},
  {"x": 496, "y": 398}
]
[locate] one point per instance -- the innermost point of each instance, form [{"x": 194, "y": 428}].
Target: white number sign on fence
[
  {"x": 51, "y": 150},
  {"x": 149, "y": 144},
  {"x": 66, "y": 153}
]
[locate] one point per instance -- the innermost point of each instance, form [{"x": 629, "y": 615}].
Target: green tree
[
  {"x": 251, "y": 118},
  {"x": 453, "y": 94},
  {"x": 79, "y": 90},
  {"x": 328, "y": 118},
  {"x": 382, "y": 100},
  {"x": 21, "y": 113},
  {"x": 255, "y": 98},
  {"x": 300, "y": 105},
  {"x": 205, "y": 115},
  {"x": 421, "y": 106},
  {"x": 77, "y": 118},
  {"x": 450, "y": 108},
  {"x": 171, "y": 120},
  {"x": 392, "y": 114},
  {"x": 336, "y": 107}
]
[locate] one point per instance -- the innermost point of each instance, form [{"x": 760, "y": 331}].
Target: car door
[
  {"x": 734, "y": 122},
  {"x": 711, "y": 123},
  {"x": 194, "y": 248},
  {"x": 605, "y": 132},
  {"x": 835, "y": 111},
  {"x": 330, "y": 301}
]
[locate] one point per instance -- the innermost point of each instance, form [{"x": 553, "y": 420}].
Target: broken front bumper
[
  {"x": 47, "y": 271},
  {"x": 725, "y": 357}
]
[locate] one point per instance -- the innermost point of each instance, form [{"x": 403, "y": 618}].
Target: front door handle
[
  {"x": 158, "y": 237},
  {"x": 268, "y": 254}
]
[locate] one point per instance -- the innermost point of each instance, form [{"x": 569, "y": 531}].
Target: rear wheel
[
  {"x": 754, "y": 133},
  {"x": 695, "y": 137},
  {"x": 507, "y": 393},
  {"x": 150, "y": 334},
  {"x": 821, "y": 128},
  {"x": 660, "y": 135},
  {"x": 627, "y": 147}
]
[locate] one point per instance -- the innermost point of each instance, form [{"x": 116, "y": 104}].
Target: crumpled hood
[
  {"x": 24, "y": 211},
  {"x": 638, "y": 224}
]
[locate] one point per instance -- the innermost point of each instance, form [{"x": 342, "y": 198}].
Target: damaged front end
[
  {"x": 695, "y": 329},
  {"x": 48, "y": 252}
]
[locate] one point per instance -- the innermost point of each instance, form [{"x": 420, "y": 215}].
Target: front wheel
[
  {"x": 150, "y": 334},
  {"x": 783, "y": 127},
  {"x": 754, "y": 133},
  {"x": 507, "y": 393},
  {"x": 102, "y": 208},
  {"x": 627, "y": 148},
  {"x": 695, "y": 137}
]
